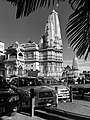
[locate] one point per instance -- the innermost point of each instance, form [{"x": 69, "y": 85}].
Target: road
[{"x": 76, "y": 110}]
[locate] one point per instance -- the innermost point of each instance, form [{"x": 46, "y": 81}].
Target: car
[
  {"x": 44, "y": 95},
  {"x": 9, "y": 99},
  {"x": 63, "y": 91}
]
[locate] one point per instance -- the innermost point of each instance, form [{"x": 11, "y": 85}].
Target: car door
[
  {"x": 14, "y": 84},
  {"x": 20, "y": 86},
  {"x": 17, "y": 84}
]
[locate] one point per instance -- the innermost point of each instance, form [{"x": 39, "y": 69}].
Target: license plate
[{"x": 2, "y": 110}]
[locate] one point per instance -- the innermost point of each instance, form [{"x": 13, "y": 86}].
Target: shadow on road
[
  {"x": 41, "y": 112},
  {"x": 54, "y": 114},
  {"x": 44, "y": 114}
]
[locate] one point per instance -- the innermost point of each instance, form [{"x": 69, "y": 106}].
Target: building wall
[
  {"x": 22, "y": 58},
  {"x": 31, "y": 66}
]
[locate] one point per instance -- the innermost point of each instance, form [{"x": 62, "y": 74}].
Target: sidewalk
[
  {"x": 21, "y": 117},
  {"x": 77, "y": 107}
]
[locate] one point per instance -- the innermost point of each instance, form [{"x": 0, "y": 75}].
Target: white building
[
  {"x": 22, "y": 58},
  {"x": 50, "y": 48}
]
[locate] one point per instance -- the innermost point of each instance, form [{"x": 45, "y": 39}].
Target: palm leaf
[
  {"x": 78, "y": 32},
  {"x": 77, "y": 4},
  {"x": 25, "y": 7}
]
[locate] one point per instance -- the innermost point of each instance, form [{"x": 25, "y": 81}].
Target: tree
[{"x": 78, "y": 27}]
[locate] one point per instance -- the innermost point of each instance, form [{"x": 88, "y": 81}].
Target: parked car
[
  {"x": 9, "y": 99},
  {"x": 62, "y": 90},
  {"x": 44, "y": 95}
]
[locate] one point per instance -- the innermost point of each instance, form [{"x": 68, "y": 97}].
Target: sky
[{"x": 33, "y": 26}]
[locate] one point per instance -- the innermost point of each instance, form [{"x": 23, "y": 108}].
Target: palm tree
[{"x": 78, "y": 27}]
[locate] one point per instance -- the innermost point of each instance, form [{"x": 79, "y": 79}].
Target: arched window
[
  {"x": 13, "y": 55},
  {"x": 20, "y": 55}
]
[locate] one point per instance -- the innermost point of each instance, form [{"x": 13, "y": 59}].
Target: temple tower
[{"x": 50, "y": 48}]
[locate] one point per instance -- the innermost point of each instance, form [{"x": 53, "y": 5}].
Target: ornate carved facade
[
  {"x": 22, "y": 58},
  {"x": 50, "y": 48}
]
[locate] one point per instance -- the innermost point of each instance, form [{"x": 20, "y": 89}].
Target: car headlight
[{"x": 13, "y": 98}]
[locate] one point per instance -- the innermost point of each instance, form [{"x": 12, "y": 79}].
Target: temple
[
  {"x": 51, "y": 48},
  {"x": 45, "y": 59}
]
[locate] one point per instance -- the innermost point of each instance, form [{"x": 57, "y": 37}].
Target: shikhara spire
[
  {"x": 52, "y": 35},
  {"x": 50, "y": 47}
]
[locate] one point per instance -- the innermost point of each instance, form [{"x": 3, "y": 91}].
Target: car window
[
  {"x": 54, "y": 82},
  {"x": 41, "y": 81},
  {"x": 33, "y": 82},
  {"x": 3, "y": 83},
  {"x": 29, "y": 82},
  {"x": 51, "y": 82},
  {"x": 23, "y": 82},
  {"x": 14, "y": 81},
  {"x": 37, "y": 81}
]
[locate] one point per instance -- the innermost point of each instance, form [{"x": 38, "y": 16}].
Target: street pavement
[
  {"x": 21, "y": 116},
  {"x": 78, "y": 108}
]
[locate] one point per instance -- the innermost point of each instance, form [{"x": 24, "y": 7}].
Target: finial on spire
[{"x": 56, "y": 6}]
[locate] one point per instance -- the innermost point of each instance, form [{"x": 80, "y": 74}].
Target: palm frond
[
  {"x": 25, "y": 7},
  {"x": 77, "y": 4},
  {"x": 78, "y": 32}
]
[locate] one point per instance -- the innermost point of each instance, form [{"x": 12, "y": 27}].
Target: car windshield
[
  {"x": 46, "y": 81},
  {"x": 25, "y": 81},
  {"x": 3, "y": 83},
  {"x": 53, "y": 82},
  {"x": 29, "y": 82}
]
